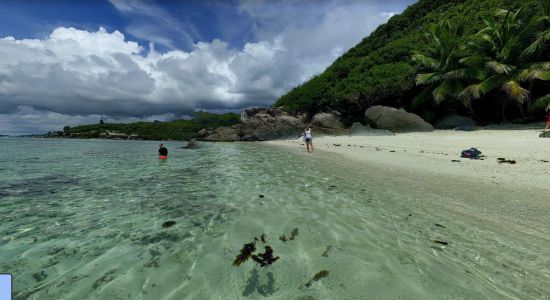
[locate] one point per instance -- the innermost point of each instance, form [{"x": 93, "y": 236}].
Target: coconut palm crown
[
  {"x": 439, "y": 60},
  {"x": 494, "y": 58}
]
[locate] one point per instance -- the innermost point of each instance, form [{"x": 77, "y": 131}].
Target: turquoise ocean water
[{"x": 82, "y": 219}]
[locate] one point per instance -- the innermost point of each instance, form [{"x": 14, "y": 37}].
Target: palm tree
[
  {"x": 535, "y": 50},
  {"x": 494, "y": 59},
  {"x": 439, "y": 60},
  {"x": 543, "y": 36}
]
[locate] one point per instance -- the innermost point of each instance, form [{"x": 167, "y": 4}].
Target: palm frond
[
  {"x": 537, "y": 45},
  {"x": 541, "y": 66},
  {"x": 465, "y": 73},
  {"x": 473, "y": 60},
  {"x": 425, "y": 61},
  {"x": 498, "y": 67},
  {"x": 542, "y": 102},
  {"x": 501, "y": 12},
  {"x": 490, "y": 84},
  {"x": 530, "y": 75},
  {"x": 515, "y": 91},
  {"x": 427, "y": 78},
  {"x": 469, "y": 93},
  {"x": 545, "y": 7},
  {"x": 456, "y": 74},
  {"x": 536, "y": 71},
  {"x": 447, "y": 88}
]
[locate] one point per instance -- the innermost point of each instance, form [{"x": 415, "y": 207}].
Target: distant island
[{"x": 170, "y": 130}]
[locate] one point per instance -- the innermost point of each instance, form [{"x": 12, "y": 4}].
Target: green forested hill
[{"x": 380, "y": 69}]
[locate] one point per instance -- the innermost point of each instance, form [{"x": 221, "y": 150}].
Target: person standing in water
[
  {"x": 308, "y": 139},
  {"x": 163, "y": 152}
]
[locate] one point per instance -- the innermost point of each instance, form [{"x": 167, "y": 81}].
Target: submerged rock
[
  {"x": 168, "y": 224},
  {"x": 40, "y": 276},
  {"x": 192, "y": 144}
]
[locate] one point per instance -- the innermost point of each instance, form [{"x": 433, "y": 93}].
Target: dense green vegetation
[
  {"x": 484, "y": 58},
  {"x": 172, "y": 130}
]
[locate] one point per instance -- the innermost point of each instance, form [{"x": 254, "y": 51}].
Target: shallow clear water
[{"x": 82, "y": 219}]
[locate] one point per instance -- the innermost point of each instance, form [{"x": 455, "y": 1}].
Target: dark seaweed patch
[
  {"x": 265, "y": 259},
  {"x": 246, "y": 253},
  {"x": 293, "y": 234},
  {"x": 318, "y": 276}
]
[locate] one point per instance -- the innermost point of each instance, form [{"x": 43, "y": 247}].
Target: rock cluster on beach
[
  {"x": 329, "y": 123},
  {"x": 257, "y": 125},
  {"x": 260, "y": 124}
]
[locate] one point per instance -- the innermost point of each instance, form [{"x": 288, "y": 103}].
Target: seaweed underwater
[
  {"x": 293, "y": 234},
  {"x": 245, "y": 254},
  {"x": 318, "y": 276},
  {"x": 263, "y": 259}
]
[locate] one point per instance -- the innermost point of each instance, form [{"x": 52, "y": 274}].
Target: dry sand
[{"x": 438, "y": 153}]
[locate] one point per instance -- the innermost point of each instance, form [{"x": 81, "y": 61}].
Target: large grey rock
[
  {"x": 259, "y": 124},
  {"x": 267, "y": 124},
  {"x": 397, "y": 121},
  {"x": 328, "y": 123},
  {"x": 545, "y": 134},
  {"x": 456, "y": 122},
  {"x": 223, "y": 134},
  {"x": 327, "y": 120},
  {"x": 358, "y": 129},
  {"x": 203, "y": 132}
]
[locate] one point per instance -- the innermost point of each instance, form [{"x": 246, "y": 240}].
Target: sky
[{"x": 68, "y": 62}]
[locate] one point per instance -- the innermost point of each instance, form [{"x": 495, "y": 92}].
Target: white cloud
[
  {"x": 151, "y": 22},
  {"x": 86, "y": 74}
]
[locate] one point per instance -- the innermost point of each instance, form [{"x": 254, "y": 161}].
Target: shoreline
[
  {"x": 508, "y": 195},
  {"x": 438, "y": 153}
]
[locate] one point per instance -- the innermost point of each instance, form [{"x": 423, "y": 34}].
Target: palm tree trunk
[
  {"x": 528, "y": 101},
  {"x": 504, "y": 110},
  {"x": 471, "y": 109},
  {"x": 521, "y": 110}
]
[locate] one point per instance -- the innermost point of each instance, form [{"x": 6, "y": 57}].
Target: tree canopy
[{"x": 473, "y": 57}]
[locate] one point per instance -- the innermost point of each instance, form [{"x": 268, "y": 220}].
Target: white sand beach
[
  {"x": 438, "y": 153},
  {"x": 507, "y": 193}
]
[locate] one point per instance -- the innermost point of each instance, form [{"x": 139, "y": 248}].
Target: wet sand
[{"x": 506, "y": 194}]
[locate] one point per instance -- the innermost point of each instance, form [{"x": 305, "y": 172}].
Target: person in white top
[{"x": 308, "y": 139}]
